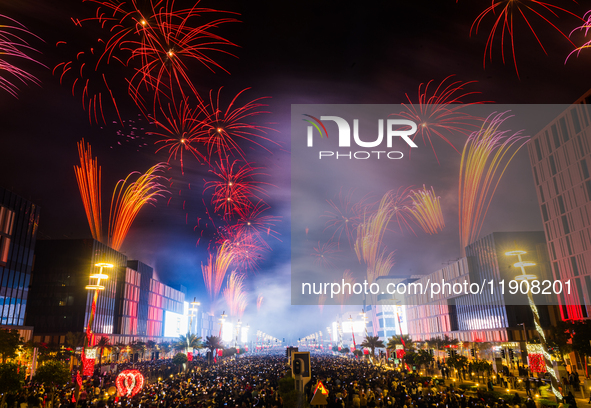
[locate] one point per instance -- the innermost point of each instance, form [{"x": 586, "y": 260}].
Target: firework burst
[
  {"x": 13, "y": 48},
  {"x": 439, "y": 114},
  {"x": 344, "y": 216},
  {"x": 585, "y": 29},
  {"x": 234, "y": 187},
  {"x": 485, "y": 157},
  {"x": 426, "y": 210},
  {"x": 324, "y": 254},
  {"x": 180, "y": 126},
  {"x": 253, "y": 222},
  {"x": 505, "y": 13},
  {"x": 223, "y": 129}
]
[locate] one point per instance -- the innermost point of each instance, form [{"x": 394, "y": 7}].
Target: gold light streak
[
  {"x": 129, "y": 198},
  {"x": 234, "y": 294},
  {"x": 88, "y": 177},
  {"x": 215, "y": 270},
  {"x": 426, "y": 210},
  {"x": 485, "y": 157}
]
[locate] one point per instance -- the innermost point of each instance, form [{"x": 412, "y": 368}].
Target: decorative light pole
[
  {"x": 544, "y": 345},
  {"x": 96, "y": 288},
  {"x": 193, "y": 312}
]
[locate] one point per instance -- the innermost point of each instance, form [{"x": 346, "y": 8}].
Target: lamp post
[
  {"x": 96, "y": 288},
  {"x": 524, "y": 276},
  {"x": 193, "y": 312}
]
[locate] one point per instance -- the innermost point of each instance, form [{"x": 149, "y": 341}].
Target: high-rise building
[
  {"x": 485, "y": 316},
  {"x": 19, "y": 219},
  {"x": 560, "y": 156},
  {"x": 133, "y": 305}
]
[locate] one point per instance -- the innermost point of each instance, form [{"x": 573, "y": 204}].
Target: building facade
[
  {"x": 19, "y": 219},
  {"x": 560, "y": 156},
  {"x": 132, "y": 307},
  {"x": 486, "y": 316}
]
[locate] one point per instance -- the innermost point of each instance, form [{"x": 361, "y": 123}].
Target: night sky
[{"x": 305, "y": 52}]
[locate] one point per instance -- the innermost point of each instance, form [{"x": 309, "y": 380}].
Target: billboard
[{"x": 175, "y": 324}]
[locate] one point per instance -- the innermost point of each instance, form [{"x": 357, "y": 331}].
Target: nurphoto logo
[{"x": 401, "y": 128}]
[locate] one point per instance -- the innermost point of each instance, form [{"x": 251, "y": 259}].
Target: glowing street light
[
  {"x": 193, "y": 312},
  {"x": 544, "y": 345},
  {"x": 96, "y": 287}
]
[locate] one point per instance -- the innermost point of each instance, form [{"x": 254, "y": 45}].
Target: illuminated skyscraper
[{"x": 560, "y": 156}]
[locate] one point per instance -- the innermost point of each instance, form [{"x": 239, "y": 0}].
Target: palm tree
[
  {"x": 103, "y": 343},
  {"x": 139, "y": 347},
  {"x": 372, "y": 343},
  {"x": 165, "y": 348},
  {"x": 212, "y": 343},
  {"x": 73, "y": 341},
  {"x": 393, "y": 341},
  {"x": 188, "y": 341}
]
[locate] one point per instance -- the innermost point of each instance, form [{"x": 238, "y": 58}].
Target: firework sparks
[
  {"x": 129, "y": 198},
  {"x": 88, "y": 177},
  {"x": 259, "y": 302},
  {"x": 180, "y": 129},
  {"x": 506, "y": 12},
  {"x": 485, "y": 157},
  {"x": 440, "y": 113},
  {"x": 234, "y": 294},
  {"x": 215, "y": 270},
  {"x": 346, "y": 279},
  {"x": 14, "y": 48},
  {"x": 427, "y": 210},
  {"x": 323, "y": 253},
  {"x": 253, "y": 223},
  {"x": 585, "y": 29},
  {"x": 222, "y": 129},
  {"x": 235, "y": 187},
  {"x": 344, "y": 216}
]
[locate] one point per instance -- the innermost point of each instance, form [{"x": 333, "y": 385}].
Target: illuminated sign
[{"x": 174, "y": 324}]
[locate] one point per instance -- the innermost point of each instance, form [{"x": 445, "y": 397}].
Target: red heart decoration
[{"x": 129, "y": 383}]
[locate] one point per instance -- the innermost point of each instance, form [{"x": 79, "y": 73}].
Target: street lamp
[
  {"x": 193, "y": 312},
  {"x": 544, "y": 345},
  {"x": 96, "y": 288}
]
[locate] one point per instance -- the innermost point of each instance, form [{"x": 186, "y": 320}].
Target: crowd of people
[{"x": 256, "y": 381}]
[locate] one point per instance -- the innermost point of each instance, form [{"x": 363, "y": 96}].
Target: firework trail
[
  {"x": 246, "y": 250},
  {"x": 440, "y": 113},
  {"x": 426, "y": 209},
  {"x": 485, "y": 157},
  {"x": 259, "y": 302},
  {"x": 235, "y": 187},
  {"x": 129, "y": 198},
  {"x": 346, "y": 279},
  {"x": 88, "y": 177},
  {"x": 14, "y": 48},
  {"x": 215, "y": 270},
  {"x": 506, "y": 12},
  {"x": 344, "y": 216},
  {"x": 323, "y": 254},
  {"x": 234, "y": 294},
  {"x": 382, "y": 266},
  {"x": 583, "y": 28},
  {"x": 222, "y": 129},
  {"x": 181, "y": 126}
]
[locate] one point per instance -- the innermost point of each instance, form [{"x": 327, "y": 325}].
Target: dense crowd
[{"x": 256, "y": 381}]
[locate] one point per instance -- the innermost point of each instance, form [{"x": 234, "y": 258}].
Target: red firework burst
[
  {"x": 235, "y": 186},
  {"x": 253, "y": 222},
  {"x": 222, "y": 129},
  {"x": 506, "y": 12},
  {"x": 151, "y": 41},
  {"x": 172, "y": 40},
  {"x": 323, "y": 253},
  {"x": 344, "y": 215},
  {"x": 13, "y": 48},
  {"x": 440, "y": 113},
  {"x": 181, "y": 126}
]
